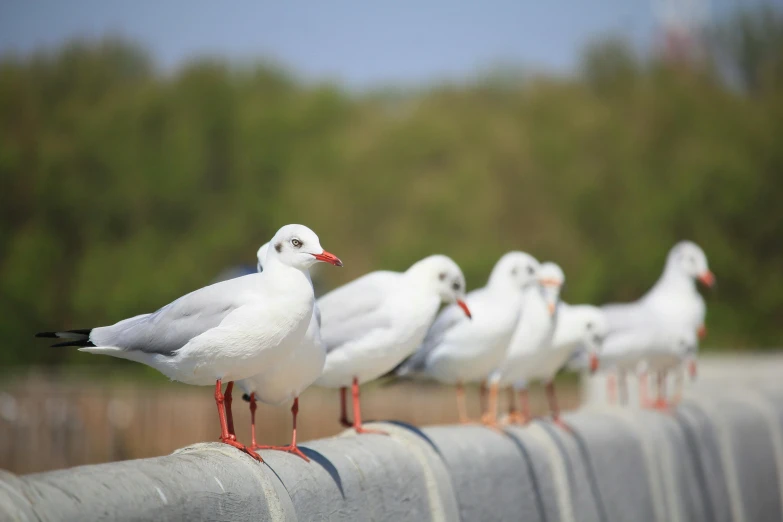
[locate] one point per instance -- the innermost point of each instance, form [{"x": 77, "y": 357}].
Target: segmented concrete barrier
[{"x": 717, "y": 458}]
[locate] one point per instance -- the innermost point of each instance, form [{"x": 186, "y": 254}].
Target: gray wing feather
[
  {"x": 361, "y": 296},
  {"x": 335, "y": 335},
  {"x": 173, "y": 326},
  {"x": 446, "y": 320}
]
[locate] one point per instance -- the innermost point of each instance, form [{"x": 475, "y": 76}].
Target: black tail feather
[
  {"x": 81, "y": 337},
  {"x": 81, "y": 343}
]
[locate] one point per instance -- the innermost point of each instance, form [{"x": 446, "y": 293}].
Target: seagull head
[
  {"x": 443, "y": 275},
  {"x": 551, "y": 279},
  {"x": 298, "y": 246},
  {"x": 515, "y": 270},
  {"x": 688, "y": 258}
]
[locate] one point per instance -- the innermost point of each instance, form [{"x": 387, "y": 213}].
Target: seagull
[
  {"x": 289, "y": 378},
  {"x": 457, "y": 350},
  {"x": 673, "y": 300},
  {"x": 527, "y": 356},
  {"x": 657, "y": 347},
  {"x": 385, "y": 317},
  {"x": 227, "y": 331},
  {"x": 668, "y": 353}
]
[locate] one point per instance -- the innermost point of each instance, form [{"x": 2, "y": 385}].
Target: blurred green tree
[{"x": 123, "y": 187}]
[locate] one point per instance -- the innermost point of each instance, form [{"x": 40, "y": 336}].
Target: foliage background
[{"x": 124, "y": 187}]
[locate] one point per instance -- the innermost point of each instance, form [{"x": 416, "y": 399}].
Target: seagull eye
[
  {"x": 530, "y": 270},
  {"x": 442, "y": 276},
  {"x": 297, "y": 243},
  {"x": 455, "y": 286}
]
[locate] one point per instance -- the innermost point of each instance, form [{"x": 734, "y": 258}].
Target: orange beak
[
  {"x": 692, "y": 369},
  {"x": 593, "y": 363},
  {"x": 702, "y": 332},
  {"x": 551, "y": 307},
  {"x": 464, "y": 307},
  {"x": 326, "y": 257},
  {"x": 707, "y": 279}
]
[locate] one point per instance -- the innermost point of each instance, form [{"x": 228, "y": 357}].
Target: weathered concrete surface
[{"x": 717, "y": 458}]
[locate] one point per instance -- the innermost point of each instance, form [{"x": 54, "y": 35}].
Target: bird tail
[{"x": 79, "y": 337}]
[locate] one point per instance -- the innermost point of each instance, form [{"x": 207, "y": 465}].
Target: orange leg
[
  {"x": 554, "y": 408},
  {"x": 291, "y": 448},
  {"x": 524, "y": 405},
  {"x": 225, "y": 436},
  {"x": 357, "y": 412},
  {"x": 661, "y": 403},
  {"x": 490, "y": 416}
]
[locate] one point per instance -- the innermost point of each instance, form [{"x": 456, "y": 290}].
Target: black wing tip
[
  {"x": 46, "y": 334},
  {"x": 246, "y": 397}
]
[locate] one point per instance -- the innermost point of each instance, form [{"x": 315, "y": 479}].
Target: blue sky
[{"x": 399, "y": 42}]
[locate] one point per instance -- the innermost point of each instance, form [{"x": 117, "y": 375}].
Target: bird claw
[
  {"x": 294, "y": 450},
  {"x": 241, "y": 447}
]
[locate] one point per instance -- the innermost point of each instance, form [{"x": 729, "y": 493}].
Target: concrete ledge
[{"x": 713, "y": 459}]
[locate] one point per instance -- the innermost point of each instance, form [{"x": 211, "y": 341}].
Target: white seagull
[
  {"x": 230, "y": 330},
  {"x": 673, "y": 301},
  {"x": 457, "y": 350},
  {"x": 656, "y": 347},
  {"x": 290, "y": 377},
  {"x": 528, "y": 356},
  {"x": 384, "y": 319},
  {"x": 579, "y": 333}
]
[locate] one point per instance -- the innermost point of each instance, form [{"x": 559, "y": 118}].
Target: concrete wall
[{"x": 717, "y": 458}]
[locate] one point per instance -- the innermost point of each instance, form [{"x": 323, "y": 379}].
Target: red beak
[
  {"x": 593, "y": 363},
  {"x": 326, "y": 257},
  {"x": 464, "y": 307},
  {"x": 692, "y": 368},
  {"x": 702, "y": 332},
  {"x": 707, "y": 279}
]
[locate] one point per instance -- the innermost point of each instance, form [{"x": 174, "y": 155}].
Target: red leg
[
  {"x": 524, "y": 405},
  {"x": 357, "y": 412},
  {"x": 225, "y": 437},
  {"x": 343, "y": 413},
  {"x": 253, "y": 407},
  {"x": 512, "y": 408},
  {"x": 661, "y": 403},
  {"x": 229, "y": 413},
  {"x": 554, "y": 407},
  {"x": 522, "y": 416},
  {"x": 291, "y": 448}
]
